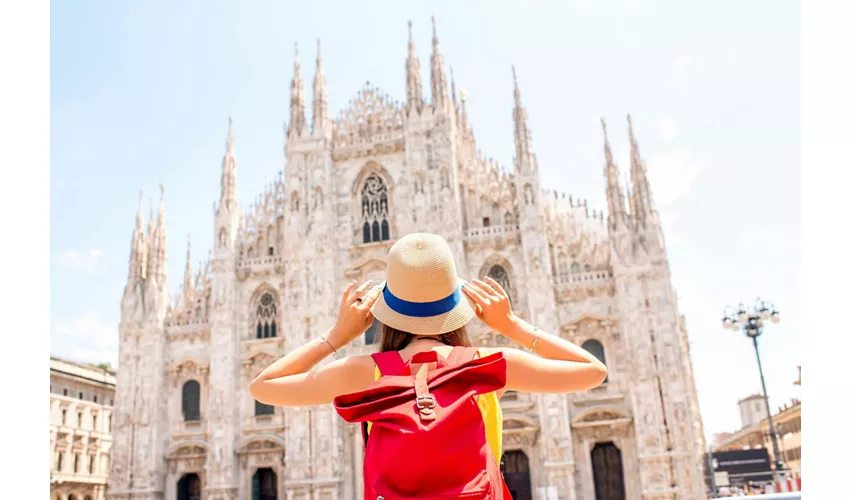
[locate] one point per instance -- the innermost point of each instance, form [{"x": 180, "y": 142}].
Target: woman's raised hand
[
  {"x": 493, "y": 306},
  {"x": 354, "y": 315}
]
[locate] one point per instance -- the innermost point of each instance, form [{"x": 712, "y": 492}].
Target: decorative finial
[
  {"x": 410, "y": 31},
  {"x": 161, "y": 191},
  {"x": 319, "y": 54},
  {"x": 434, "y": 26},
  {"x": 604, "y": 128},
  {"x": 462, "y": 94},
  {"x": 513, "y": 70}
]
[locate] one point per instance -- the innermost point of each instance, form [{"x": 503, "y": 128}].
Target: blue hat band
[{"x": 421, "y": 309}]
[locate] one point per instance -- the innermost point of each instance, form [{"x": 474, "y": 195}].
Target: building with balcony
[
  {"x": 755, "y": 431},
  {"x": 81, "y": 400}
]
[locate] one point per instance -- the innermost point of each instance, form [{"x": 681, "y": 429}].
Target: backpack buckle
[{"x": 425, "y": 404}]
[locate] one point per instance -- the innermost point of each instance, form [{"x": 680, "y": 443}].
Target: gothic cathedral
[{"x": 186, "y": 427}]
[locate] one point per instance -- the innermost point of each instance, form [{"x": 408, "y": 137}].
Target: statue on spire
[
  {"x": 644, "y": 206},
  {"x": 188, "y": 288},
  {"x": 439, "y": 85},
  {"x": 414, "y": 78},
  {"x": 228, "y": 172},
  {"x": 522, "y": 136},
  {"x": 321, "y": 120},
  {"x": 297, "y": 107},
  {"x": 616, "y": 203}
]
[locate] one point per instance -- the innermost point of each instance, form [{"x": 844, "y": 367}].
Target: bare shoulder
[
  {"x": 360, "y": 363},
  {"x": 507, "y": 351},
  {"x": 352, "y": 373}
]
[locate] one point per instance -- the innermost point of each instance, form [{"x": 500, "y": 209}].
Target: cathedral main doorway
[
  {"x": 264, "y": 485},
  {"x": 189, "y": 487},
  {"x": 517, "y": 474},
  {"x": 608, "y": 478}
]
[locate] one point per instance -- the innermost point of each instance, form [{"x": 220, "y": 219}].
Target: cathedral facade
[{"x": 185, "y": 426}]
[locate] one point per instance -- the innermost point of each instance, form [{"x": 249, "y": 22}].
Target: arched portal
[
  {"x": 517, "y": 474},
  {"x": 264, "y": 485},
  {"x": 608, "y": 481},
  {"x": 189, "y": 487}
]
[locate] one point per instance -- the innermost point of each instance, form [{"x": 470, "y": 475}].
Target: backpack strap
[
  {"x": 461, "y": 355},
  {"x": 390, "y": 363}
]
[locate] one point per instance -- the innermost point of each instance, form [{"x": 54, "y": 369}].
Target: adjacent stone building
[
  {"x": 81, "y": 400},
  {"x": 186, "y": 426},
  {"x": 755, "y": 431}
]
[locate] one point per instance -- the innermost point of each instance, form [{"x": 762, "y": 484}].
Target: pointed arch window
[
  {"x": 595, "y": 348},
  {"x": 191, "y": 401},
  {"x": 575, "y": 268},
  {"x": 270, "y": 239},
  {"x": 500, "y": 275},
  {"x": 375, "y": 212},
  {"x": 562, "y": 263},
  {"x": 295, "y": 204},
  {"x": 266, "y": 317}
]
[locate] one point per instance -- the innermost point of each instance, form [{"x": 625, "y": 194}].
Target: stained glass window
[
  {"x": 266, "y": 317},
  {"x": 374, "y": 204}
]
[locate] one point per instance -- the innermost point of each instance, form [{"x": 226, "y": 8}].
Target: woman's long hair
[{"x": 396, "y": 340}]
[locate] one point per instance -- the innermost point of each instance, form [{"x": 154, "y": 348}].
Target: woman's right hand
[
  {"x": 354, "y": 315},
  {"x": 493, "y": 306}
]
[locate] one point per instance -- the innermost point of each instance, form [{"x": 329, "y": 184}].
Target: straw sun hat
[{"x": 422, "y": 293}]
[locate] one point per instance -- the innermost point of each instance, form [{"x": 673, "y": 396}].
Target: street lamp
[{"x": 752, "y": 322}]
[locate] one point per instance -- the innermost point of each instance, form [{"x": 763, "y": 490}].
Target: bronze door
[
  {"x": 189, "y": 487},
  {"x": 608, "y": 472},
  {"x": 517, "y": 474},
  {"x": 264, "y": 485}
]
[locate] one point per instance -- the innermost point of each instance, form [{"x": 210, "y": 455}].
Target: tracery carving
[
  {"x": 372, "y": 113},
  {"x": 266, "y": 316}
]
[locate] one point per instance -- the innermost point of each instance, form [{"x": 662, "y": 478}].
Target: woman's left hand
[
  {"x": 354, "y": 315},
  {"x": 493, "y": 306}
]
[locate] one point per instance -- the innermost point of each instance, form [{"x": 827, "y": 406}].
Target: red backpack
[{"x": 427, "y": 438}]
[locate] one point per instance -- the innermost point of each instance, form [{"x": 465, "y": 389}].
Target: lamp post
[{"x": 751, "y": 321}]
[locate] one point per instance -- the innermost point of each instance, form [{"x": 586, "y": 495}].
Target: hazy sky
[{"x": 140, "y": 94}]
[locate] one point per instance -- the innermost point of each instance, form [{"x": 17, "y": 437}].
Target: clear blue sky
[{"x": 140, "y": 94}]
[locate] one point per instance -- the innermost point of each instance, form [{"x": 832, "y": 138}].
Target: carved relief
[{"x": 187, "y": 369}]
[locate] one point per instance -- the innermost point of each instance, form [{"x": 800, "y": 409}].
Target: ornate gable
[{"x": 371, "y": 115}]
